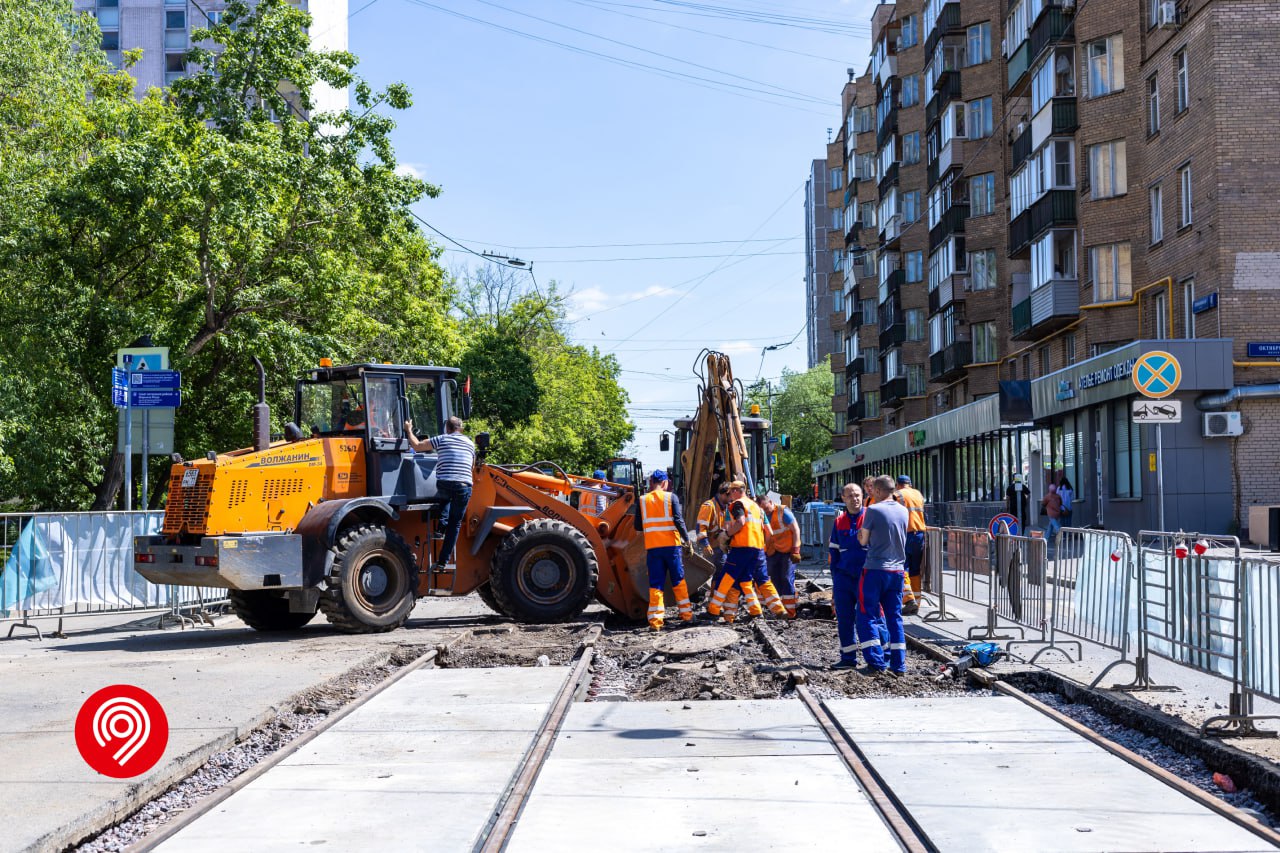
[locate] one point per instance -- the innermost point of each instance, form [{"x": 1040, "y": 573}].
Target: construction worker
[
  {"x": 914, "y": 502},
  {"x": 884, "y": 535},
  {"x": 782, "y": 551},
  {"x": 868, "y": 494},
  {"x": 711, "y": 518},
  {"x": 848, "y": 558},
  {"x": 746, "y": 536},
  {"x": 663, "y": 525}
]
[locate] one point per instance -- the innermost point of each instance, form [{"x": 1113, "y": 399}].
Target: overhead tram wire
[
  {"x": 491, "y": 259},
  {"x": 830, "y": 26},
  {"x": 636, "y": 245},
  {"x": 698, "y": 283},
  {"x": 802, "y": 95},
  {"x": 657, "y": 258},
  {"x": 604, "y": 7},
  {"x": 721, "y": 86}
]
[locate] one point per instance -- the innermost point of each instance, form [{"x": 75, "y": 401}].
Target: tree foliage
[{"x": 802, "y": 411}]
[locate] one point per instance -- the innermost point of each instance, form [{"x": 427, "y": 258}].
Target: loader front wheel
[
  {"x": 544, "y": 571},
  {"x": 264, "y": 610},
  {"x": 485, "y": 591},
  {"x": 372, "y": 585}
]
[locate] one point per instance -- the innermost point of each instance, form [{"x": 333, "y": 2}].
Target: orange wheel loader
[{"x": 341, "y": 514}]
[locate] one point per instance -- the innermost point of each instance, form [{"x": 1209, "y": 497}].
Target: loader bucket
[{"x": 697, "y": 572}]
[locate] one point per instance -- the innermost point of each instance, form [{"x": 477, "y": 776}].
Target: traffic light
[{"x": 784, "y": 441}]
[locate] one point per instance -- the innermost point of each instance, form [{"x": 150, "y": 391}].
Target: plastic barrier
[{"x": 81, "y": 563}]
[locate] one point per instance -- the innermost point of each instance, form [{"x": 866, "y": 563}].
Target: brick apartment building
[
  {"x": 819, "y": 298},
  {"x": 1037, "y": 194}
]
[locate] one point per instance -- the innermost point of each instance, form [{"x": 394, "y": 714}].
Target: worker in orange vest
[
  {"x": 782, "y": 551},
  {"x": 745, "y": 564},
  {"x": 662, "y": 523},
  {"x": 914, "y": 502}
]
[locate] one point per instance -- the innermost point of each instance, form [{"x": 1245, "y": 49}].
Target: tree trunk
[{"x": 112, "y": 479}]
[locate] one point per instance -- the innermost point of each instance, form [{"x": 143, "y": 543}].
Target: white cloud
[
  {"x": 650, "y": 291},
  {"x": 412, "y": 170},
  {"x": 583, "y": 303},
  {"x": 739, "y": 347}
]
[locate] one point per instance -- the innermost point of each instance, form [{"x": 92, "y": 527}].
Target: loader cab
[{"x": 371, "y": 402}]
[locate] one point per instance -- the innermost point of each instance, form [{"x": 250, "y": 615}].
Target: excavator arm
[{"x": 716, "y": 427}]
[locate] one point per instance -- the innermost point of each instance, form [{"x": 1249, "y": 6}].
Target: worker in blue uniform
[
  {"x": 884, "y": 534},
  {"x": 848, "y": 557}
]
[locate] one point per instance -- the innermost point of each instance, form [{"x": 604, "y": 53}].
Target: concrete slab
[
  {"x": 757, "y": 776},
  {"x": 390, "y": 777},
  {"x": 990, "y": 773}
]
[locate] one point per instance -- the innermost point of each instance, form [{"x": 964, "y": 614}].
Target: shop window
[{"x": 1126, "y": 453}]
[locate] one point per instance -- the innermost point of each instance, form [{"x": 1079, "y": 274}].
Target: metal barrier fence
[
  {"x": 81, "y": 563},
  {"x": 962, "y": 513},
  {"x": 1091, "y": 582},
  {"x": 1262, "y": 627}
]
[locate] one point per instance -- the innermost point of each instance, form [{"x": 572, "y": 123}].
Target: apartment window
[
  {"x": 864, "y": 119},
  {"x": 1046, "y": 361},
  {"x": 1153, "y": 105},
  {"x": 983, "y": 336},
  {"x": 1054, "y": 77},
  {"x": 110, "y": 40},
  {"x": 1126, "y": 453},
  {"x": 911, "y": 90},
  {"x": 952, "y": 123},
  {"x": 980, "y": 121},
  {"x": 1183, "y": 99},
  {"x": 1156, "y": 197},
  {"x": 866, "y": 166},
  {"x": 915, "y": 324},
  {"x": 872, "y": 407},
  {"x": 1189, "y": 308},
  {"x": 871, "y": 359},
  {"x": 175, "y": 2},
  {"x": 979, "y": 44},
  {"x": 982, "y": 194},
  {"x": 837, "y": 219},
  {"x": 1053, "y": 257},
  {"x": 1111, "y": 273},
  {"x": 1107, "y": 169},
  {"x": 108, "y": 15},
  {"x": 1153, "y": 13},
  {"x": 868, "y": 218},
  {"x": 1104, "y": 66},
  {"x": 915, "y": 380},
  {"x": 1184, "y": 192},
  {"x": 913, "y": 266},
  {"x": 910, "y": 35},
  {"x": 1069, "y": 348},
  {"x": 982, "y": 270},
  {"x": 837, "y": 178},
  {"x": 892, "y": 364},
  {"x": 868, "y": 311},
  {"x": 911, "y": 148},
  {"x": 1161, "y": 310},
  {"x": 910, "y": 206},
  {"x": 175, "y": 19}
]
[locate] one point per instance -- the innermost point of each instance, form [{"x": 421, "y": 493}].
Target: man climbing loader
[{"x": 341, "y": 514}]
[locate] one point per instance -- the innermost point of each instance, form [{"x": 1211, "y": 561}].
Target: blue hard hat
[
  {"x": 658, "y": 476},
  {"x": 597, "y": 474},
  {"x": 903, "y": 479}
]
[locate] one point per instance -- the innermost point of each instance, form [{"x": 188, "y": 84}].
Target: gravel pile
[
  {"x": 302, "y": 714},
  {"x": 511, "y": 645},
  {"x": 1191, "y": 769}
]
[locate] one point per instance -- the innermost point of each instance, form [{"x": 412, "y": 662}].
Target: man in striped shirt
[{"x": 456, "y": 455}]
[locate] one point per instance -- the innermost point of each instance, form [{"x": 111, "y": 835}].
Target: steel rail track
[
  {"x": 207, "y": 804},
  {"x": 497, "y": 831}
]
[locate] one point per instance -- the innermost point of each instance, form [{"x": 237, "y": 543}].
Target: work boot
[
  {"x": 910, "y": 608},
  {"x": 655, "y": 610}
]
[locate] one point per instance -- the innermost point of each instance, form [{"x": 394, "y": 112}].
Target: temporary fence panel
[
  {"x": 1094, "y": 598},
  {"x": 967, "y": 559},
  {"x": 935, "y": 574},
  {"x": 1019, "y": 593},
  {"x": 1191, "y": 600},
  {"x": 1262, "y": 627}
]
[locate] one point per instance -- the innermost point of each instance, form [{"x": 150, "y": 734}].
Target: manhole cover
[{"x": 690, "y": 641}]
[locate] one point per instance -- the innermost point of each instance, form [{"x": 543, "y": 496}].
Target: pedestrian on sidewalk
[
  {"x": 455, "y": 463},
  {"x": 782, "y": 552},
  {"x": 1068, "y": 496},
  {"x": 884, "y": 535},
  {"x": 1052, "y": 503},
  {"x": 913, "y": 500},
  {"x": 848, "y": 560},
  {"x": 662, "y": 522},
  {"x": 745, "y": 563}
]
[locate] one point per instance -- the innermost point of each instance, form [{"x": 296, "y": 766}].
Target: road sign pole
[
  {"x": 146, "y": 446},
  {"x": 1160, "y": 471},
  {"x": 128, "y": 434}
]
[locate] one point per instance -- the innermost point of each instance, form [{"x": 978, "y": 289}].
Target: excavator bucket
[{"x": 697, "y": 572}]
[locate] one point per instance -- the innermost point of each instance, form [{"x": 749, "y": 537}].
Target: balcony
[
  {"x": 892, "y": 231},
  {"x": 887, "y": 70},
  {"x": 1021, "y": 148},
  {"x": 851, "y": 236},
  {"x": 894, "y": 282},
  {"x": 932, "y": 174},
  {"x": 951, "y": 289},
  {"x": 893, "y": 328},
  {"x": 1054, "y": 208},
  {"x": 948, "y": 363},
  {"x": 1018, "y": 65},
  {"x": 1054, "y": 26},
  {"x": 888, "y": 127},
  {"x": 951, "y": 156},
  {"x": 946, "y": 89},
  {"x": 893, "y": 391},
  {"x": 1065, "y": 117},
  {"x": 948, "y": 22},
  {"x": 890, "y": 179},
  {"x": 857, "y": 411},
  {"x": 1050, "y": 307},
  {"x": 951, "y": 222}
]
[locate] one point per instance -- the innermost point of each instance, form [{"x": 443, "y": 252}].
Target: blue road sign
[
  {"x": 1003, "y": 518},
  {"x": 118, "y": 395},
  {"x": 1157, "y": 374},
  {"x": 155, "y": 399},
  {"x": 1263, "y": 349},
  {"x": 156, "y": 380},
  {"x": 119, "y": 379}
]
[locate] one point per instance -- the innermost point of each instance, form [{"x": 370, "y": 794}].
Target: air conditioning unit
[
  {"x": 1223, "y": 424},
  {"x": 1167, "y": 17}
]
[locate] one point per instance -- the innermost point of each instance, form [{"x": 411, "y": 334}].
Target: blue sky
[{"x": 538, "y": 146}]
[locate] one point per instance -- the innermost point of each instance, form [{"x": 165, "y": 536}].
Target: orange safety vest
[
  {"x": 914, "y": 502},
  {"x": 710, "y": 516},
  {"x": 752, "y": 533},
  {"x": 783, "y": 535},
  {"x": 657, "y": 519}
]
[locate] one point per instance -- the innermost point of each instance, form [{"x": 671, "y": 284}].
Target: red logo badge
[{"x": 121, "y": 731}]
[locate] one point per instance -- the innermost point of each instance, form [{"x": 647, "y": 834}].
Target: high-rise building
[
  {"x": 819, "y": 300},
  {"x": 162, "y": 29},
  {"x": 1045, "y": 195}
]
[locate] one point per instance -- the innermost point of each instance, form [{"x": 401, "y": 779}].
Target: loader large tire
[
  {"x": 372, "y": 585},
  {"x": 485, "y": 591},
  {"x": 264, "y": 610},
  {"x": 544, "y": 571}
]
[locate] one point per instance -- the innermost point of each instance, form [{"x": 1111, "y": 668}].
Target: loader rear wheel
[
  {"x": 372, "y": 585},
  {"x": 264, "y": 610},
  {"x": 485, "y": 591},
  {"x": 544, "y": 571}
]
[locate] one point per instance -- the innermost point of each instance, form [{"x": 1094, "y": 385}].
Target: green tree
[
  {"x": 802, "y": 411},
  {"x": 225, "y": 222}
]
